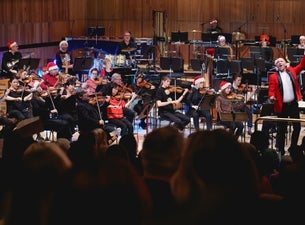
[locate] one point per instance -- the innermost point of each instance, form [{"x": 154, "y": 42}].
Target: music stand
[
  {"x": 179, "y": 36},
  {"x": 267, "y": 109},
  {"x": 33, "y": 63},
  {"x": 207, "y": 102},
  {"x": 82, "y": 64}
]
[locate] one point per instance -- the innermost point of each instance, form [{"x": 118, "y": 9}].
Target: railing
[{"x": 275, "y": 119}]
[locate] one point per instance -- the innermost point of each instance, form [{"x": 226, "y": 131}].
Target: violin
[
  {"x": 96, "y": 98},
  {"x": 177, "y": 89},
  {"x": 27, "y": 79},
  {"x": 145, "y": 84},
  {"x": 207, "y": 91},
  {"x": 234, "y": 96}
]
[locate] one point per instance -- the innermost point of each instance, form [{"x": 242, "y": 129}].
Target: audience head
[
  {"x": 161, "y": 151},
  {"x": 215, "y": 172}
]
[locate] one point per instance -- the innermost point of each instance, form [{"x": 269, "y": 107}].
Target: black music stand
[
  {"x": 207, "y": 102},
  {"x": 82, "y": 64},
  {"x": 179, "y": 37},
  {"x": 267, "y": 109},
  {"x": 32, "y": 63}
]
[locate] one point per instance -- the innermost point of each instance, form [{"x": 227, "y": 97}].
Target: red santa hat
[
  {"x": 224, "y": 84},
  {"x": 213, "y": 20},
  {"x": 198, "y": 79},
  {"x": 10, "y": 44},
  {"x": 210, "y": 51},
  {"x": 52, "y": 66},
  {"x": 63, "y": 42}
]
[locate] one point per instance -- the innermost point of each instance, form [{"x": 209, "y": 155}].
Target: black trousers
[{"x": 290, "y": 110}]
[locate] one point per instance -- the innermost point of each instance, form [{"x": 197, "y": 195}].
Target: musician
[
  {"x": 50, "y": 78},
  {"x": 128, "y": 46},
  {"x": 107, "y": 70},
  {"x": 284, "y": 91},
  {"x": 214, "y": 27},
  {"x": 11, "y": 60},
  {"x": 43, "y": 107},
  {"x": 64, "y": 59},
  {"x": 301, "y": 45},
  {"x": 223, "y": 44},
  {"x": 248, "y": 93},
  {"x": 194, "y": 99},
  {"x": 115, "y": 107},
  {"x": 166, "y": 105},
  {"x": 91, "y": 84},
  {"x": 17, "y": 101},
  {"x": 224, "y": 104},
  {"x": 66, "y": 105},
  {"x": 145, "y": 92},
  {"x": 266, "y": 50},
  {"x": 90, "y": 116},
  {"x": 106, "y": 90}
]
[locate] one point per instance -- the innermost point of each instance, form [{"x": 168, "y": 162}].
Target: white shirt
[{"x": 288, "y": 94}]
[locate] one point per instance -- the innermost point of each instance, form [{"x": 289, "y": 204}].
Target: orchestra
[{"x": 106, "y": 86}]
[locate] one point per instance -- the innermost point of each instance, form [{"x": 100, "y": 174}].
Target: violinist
[
  {"x": 166, "y": 105},
  {"x": 116, "y": 80},
  {"x": 91, "y": 84},
  {"x": 92, "y": 116},
  {"x": 17, "y": 101},
  {"x": 43, "y": 107},
  {"x": 50, "y": 78},
  {"x": 194, "y": 99},
  {"x": 223, "y": 104},
  {"x": 115, "y": 110},
  {"x": 66, "y": 103},
  {"x": 239, "y": 89},
  {"x": 145, "y": 92}
]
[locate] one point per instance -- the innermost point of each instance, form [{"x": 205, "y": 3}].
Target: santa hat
[
  {"x": 210, "y": 51},
  {"x": 223, "y": 85},
  {"x": 214, "y": 20},
  {"x": 198, "y": 79},
  {"x": 63, "y": 42},
  {"x": 11, "y": 44},
  {"x": 52, "y": 66},
  {"x": 221, "y": 38}
]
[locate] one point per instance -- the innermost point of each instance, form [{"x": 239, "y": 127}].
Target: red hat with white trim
[
  {"x": 224, "y": 84},
  {"x": 214, "y": 20},
  {"x": 198, "y": 79},
  {"x": 52, "y": 66},
  {"x": 10, "y": 44}
]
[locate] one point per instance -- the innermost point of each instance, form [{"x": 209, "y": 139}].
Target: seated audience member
[
  {"x": 110, "y": 183},
  {"x": 216, "y": 181},
  {"x": 161, "y": 153}
]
